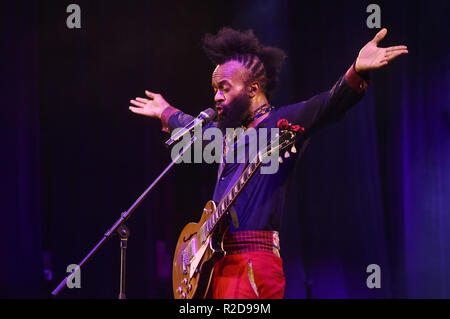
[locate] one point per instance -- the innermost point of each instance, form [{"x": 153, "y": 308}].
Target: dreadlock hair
[{"x": 263, "y": 62}]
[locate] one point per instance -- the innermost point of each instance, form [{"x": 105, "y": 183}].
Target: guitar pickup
[
  {"x": 194, "y": 246},
  {"x": 185, "y": 263}
]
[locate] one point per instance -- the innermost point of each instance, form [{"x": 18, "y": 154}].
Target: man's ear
[{"x": 253, "y": 88}]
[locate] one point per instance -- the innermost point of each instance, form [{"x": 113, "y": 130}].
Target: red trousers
[{"x": 249, "y": 275}]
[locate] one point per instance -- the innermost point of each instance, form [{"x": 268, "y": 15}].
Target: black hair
[{"x": 263, "y": 62}]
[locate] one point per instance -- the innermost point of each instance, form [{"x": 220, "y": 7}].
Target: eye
[{"x": 224, "y": 88}]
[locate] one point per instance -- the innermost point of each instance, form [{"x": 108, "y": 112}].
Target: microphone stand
[{"x": 122, "y": 230}]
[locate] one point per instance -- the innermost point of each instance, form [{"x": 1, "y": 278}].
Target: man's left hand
[{"x": 372, "y": 57}]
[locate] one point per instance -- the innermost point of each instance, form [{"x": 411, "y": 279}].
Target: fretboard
[{"x": 229, "y": 199}]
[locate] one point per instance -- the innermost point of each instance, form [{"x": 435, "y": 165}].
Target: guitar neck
[
  {"x": 230, "y": 198},
  {"x": 279, "y": 143}
]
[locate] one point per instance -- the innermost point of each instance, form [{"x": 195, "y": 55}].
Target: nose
[{"x": 219, "y": 97}]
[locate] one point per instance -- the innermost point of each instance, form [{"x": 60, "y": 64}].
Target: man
[{"x": 244, "y": 80}]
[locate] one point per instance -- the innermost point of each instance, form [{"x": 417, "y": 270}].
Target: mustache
[{"x": 233, "y": 113}]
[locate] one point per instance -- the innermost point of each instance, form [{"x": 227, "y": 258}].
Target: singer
[{"x": 244, "y": 80}]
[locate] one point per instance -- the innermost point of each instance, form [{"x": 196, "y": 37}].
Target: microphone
[{"x": 204, "y": 117}]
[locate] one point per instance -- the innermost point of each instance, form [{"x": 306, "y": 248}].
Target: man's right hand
[{"x": 152, "y": 107}]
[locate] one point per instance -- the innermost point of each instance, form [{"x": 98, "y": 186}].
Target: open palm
[{"x": 373, "y": 57}]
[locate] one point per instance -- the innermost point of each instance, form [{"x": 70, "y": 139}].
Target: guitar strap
[{"x": 236, "y": 175}]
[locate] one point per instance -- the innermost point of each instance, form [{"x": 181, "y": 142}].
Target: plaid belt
[{"x": 247, "y": 241}]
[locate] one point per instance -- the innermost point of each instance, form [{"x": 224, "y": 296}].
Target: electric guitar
[{"x": 199, "y": 245}]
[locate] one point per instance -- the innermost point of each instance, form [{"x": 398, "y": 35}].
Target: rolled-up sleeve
[{"x": 357, "y": 81}]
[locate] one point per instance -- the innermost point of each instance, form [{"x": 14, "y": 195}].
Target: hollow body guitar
[{"x": 200, "y": 245}]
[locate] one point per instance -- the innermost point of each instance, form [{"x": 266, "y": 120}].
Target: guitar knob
[
  {"x": 286, "y": 155},
  {"x": 185, "y": 281},
  {"x": 179, "y": 290},
  {"x": 183, "y": 295},
  {"x": 188, "y": 288},
  {"x": 280, "y": 159},
  {"x": 293, "y": 149}
]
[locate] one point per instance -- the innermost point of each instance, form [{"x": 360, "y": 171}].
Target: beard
[{"x": 234, "y": 113}]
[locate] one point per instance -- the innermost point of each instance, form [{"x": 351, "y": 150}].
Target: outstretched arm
[
  {"x": 330, "y": 106},
  {"x": 156, "y": 106},
  {"x": 372, "y": 57},
  {"x": 153, "y": 106}
]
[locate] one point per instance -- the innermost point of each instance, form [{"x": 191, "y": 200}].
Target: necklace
[{"x": 260, "y": 111}]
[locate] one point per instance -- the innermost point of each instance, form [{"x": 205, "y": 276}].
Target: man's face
[{"x": 232, "y": 101}]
